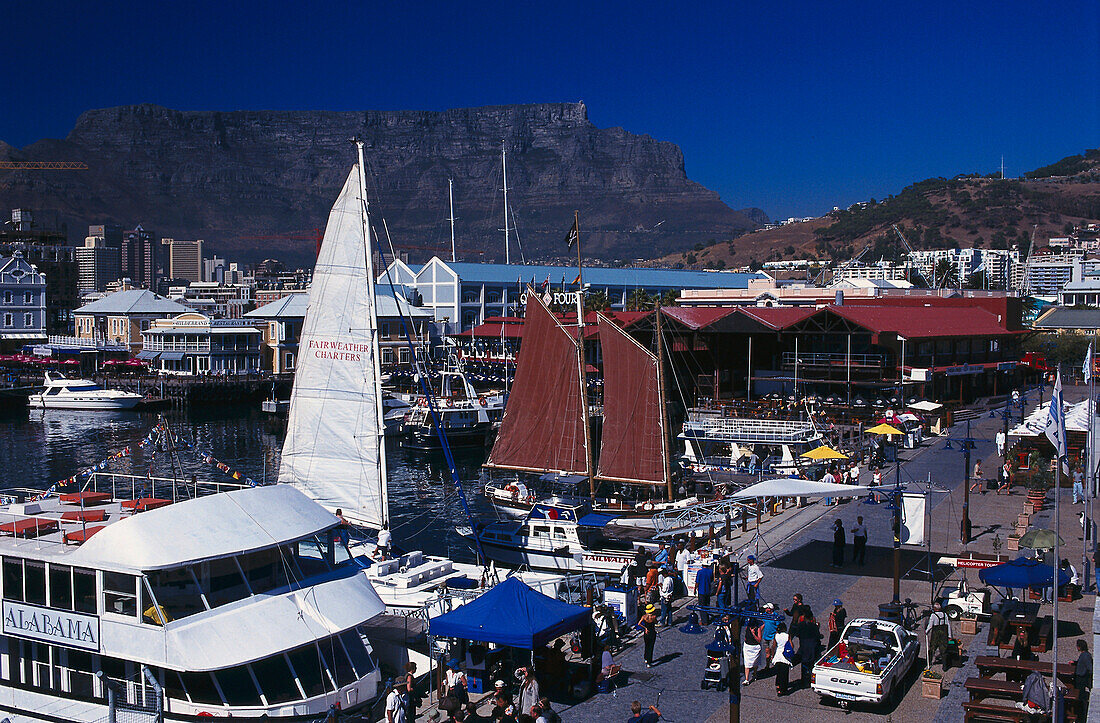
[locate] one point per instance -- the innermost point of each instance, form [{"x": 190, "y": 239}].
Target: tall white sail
[{"x": 333, "y": 449}]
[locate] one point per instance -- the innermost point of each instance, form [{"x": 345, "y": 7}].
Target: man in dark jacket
[{"x": 704, "y": 587}]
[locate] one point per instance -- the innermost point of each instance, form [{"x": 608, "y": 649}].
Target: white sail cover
[{"x": 332, "y": 446}]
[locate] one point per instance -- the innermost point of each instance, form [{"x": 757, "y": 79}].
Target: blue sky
[{"x": 791, "y": 107}]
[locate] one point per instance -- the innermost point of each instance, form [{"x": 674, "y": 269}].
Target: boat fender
[{"x": 483, "y": 402}]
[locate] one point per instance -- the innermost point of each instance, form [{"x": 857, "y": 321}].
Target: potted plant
[
  {"x": 931, "y": 684},
  {"x": 1013, "y": 542},
  {"x": 1023, "y": 519}
]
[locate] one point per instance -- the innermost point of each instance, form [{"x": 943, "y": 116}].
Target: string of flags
[{"x": 209, "y": 459}]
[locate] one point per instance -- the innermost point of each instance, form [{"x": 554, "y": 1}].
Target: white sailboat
[{"x": 335, "y": 446}]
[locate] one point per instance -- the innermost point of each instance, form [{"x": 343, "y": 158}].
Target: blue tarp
[
  {"x": 1022, "y": 572},
  {"x": 596, "y": 519},
  {"x": 511, "y": 614}
]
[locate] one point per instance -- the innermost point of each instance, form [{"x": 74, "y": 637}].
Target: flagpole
[
  {"x": 1057, "y": 411},
  {"x": 1089, "y": 476}
]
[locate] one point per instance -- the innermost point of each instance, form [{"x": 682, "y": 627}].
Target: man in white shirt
[
  {"x": 395, "y": 705},
  {"x": 667, "y": 594},
  {"x": 384, "y": 538},
  {"x": 1000, "y": 438},
  {"x": 853, "y": 474},
  {"x": 938, "y": 630},
  {"x": 859, "y": 541},
  {"x": 753, "y": 575}
]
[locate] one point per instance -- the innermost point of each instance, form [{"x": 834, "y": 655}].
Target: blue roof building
[{"x": 465, "y": 294}]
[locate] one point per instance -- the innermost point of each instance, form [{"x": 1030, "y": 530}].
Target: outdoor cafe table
[
  {"x": 1022, "y": 615},
  {"x": 990, "y": 665},
  {"x": 982, "y": 688}
]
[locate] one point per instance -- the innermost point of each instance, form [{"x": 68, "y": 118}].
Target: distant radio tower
[{"x": 1002, "y": 167}]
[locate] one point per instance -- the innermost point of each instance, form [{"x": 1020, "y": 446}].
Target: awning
[
  {"x": 925, "y": 406},
  {"x": 171, "y": 355},
  {"x": 595, "y": 519},
  {"x": 22, "y": 335},
  {"x": 1022, "y": 572},
  {"x": 150, "y": 355},
  {"x": 511, "y": 614},
  {"x": 793, "y": 487}
]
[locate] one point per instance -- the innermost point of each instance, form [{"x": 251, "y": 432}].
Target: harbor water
[{"x": 41, "y": 447}]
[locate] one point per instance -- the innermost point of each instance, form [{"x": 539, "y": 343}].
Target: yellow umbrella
[
  {"x": 884, "y": 429},
  {"x": 824, "y": 452}
]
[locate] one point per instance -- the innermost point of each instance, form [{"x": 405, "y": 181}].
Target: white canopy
[
  {"x": 793, "y": 487},
  {"x": 925, "y": 406},
  {"x": 1034, "y": 424}
]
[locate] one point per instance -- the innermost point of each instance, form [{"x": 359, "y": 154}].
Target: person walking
[
  {"x": 838, "y": 543},
  {"x": 859, "y": 541},
  {"x": 396, "y": 704},
  {"x": 409, "y": 681},
  {"x": 809, "y": 637},
  {"x": 837, "y": 617},
  {"x": 668, "y": 592},
  {"x": 1078, "y": 485},
  {"x": 753, "y": 577},
  {"x": 648, "y": 624},
  {"x": 725, "y": 584},
  {"x": 782, "y": 660},
  {"x": 751, "y": 647},
  {"x": 704, "y": 587},
  {"x": 1082, "y": 672},
  {"x": 797, "y": 610},
  {"x": 771, "y": 627},
  {"x": 938, "y": 630},
  {"x": 528, "y": 691},
  {"x": 1000, "y": 438}
]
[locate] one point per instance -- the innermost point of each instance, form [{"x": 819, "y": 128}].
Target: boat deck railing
[
  {"x": 700, "y": 516},
  {"x": 131, "y": 487},
  {"x": 748, "y": 430}
]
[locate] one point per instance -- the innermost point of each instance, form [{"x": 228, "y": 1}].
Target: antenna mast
[
  {"x": 451, "y": 200},
  {"x": 504, "y": 167}
]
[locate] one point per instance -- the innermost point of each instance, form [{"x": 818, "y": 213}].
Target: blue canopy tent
[
  {"x": 1022, "y": 572},
  {"x": 511, "y": 614}
]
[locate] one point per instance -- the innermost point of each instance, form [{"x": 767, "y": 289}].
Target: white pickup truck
[{"x": 868, "y": 664}]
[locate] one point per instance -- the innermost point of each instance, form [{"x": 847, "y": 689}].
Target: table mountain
[{"x": 240, "y": 178}]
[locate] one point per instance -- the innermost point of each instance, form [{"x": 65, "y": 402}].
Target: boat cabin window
[
  {"x": 307, "y": 665},
  {"x": 222, "y": 581},
  {"x": 120, "y": 593},
  {"x": 540, "y": 531},
  {"x": 267, "y": 570},
  {"x": 13, "y": 579},
  {"x": 237, "y": 686},
  {"x": 34, "y": 582},
  {"x": 200, "y": 688},
  {"x": 177, "y": 592},
  {"x": 61, "y": 587},
  {"x": 276, "y": 680}
]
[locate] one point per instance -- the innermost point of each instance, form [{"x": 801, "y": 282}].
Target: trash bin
[{"x": 891, "y": 612}]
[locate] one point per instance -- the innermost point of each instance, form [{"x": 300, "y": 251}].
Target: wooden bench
[
  {"x": 993, "y": 712},
  {"x": 982, "y": 688}
]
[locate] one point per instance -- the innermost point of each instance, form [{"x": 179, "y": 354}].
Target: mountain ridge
[{"x": 235, "y": 176}]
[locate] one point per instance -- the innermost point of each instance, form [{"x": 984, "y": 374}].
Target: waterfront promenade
[{"x": 798, "y": 562}]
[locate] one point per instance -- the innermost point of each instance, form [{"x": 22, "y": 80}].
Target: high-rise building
[
  {"x": 98, "y": 264},
  {"x": 184, "y": 258},
  {"x": 111, "y": 233},
  {"x": 139, "y": 258}
]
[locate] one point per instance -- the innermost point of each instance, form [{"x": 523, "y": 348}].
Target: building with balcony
[
  {"x": 22, "y": 302},
  {"x": 193, "y": 343},
  {"x": 121, "y": 317}
]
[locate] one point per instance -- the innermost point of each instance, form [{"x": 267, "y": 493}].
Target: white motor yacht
[{"x": 63, "y": 393}]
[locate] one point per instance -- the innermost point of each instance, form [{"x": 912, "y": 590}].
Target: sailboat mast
[
  {"x": 581, "y": 364},
  {"x": 661, "y": 405},
  {"x": 504, "y": 167},
  {"x": 372, "y": 321},
  {"x": 451, "y": 200}
]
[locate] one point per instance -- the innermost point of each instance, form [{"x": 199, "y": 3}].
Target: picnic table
[
  {"x": 85, "y": 498},
  {"x": 28, "y": 527},
  {"x": 990, "y": 665},
  {"x": 982, "y": 688}
]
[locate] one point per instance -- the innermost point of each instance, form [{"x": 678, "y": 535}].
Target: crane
[
  {"x": 909, "y": 249},
  {"x": 43, "y": 166}
]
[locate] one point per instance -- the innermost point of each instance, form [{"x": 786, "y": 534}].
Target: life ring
[
  {"x": 483, "y": 402},
  {"x": 513, "y": 490},
  {"x": 446, "y": 402}
]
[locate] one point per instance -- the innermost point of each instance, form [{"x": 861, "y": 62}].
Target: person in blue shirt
[
  {"x": 704, "y": 588},
  {"x": 770, "y": 628},
  {"x": 662, "y": 554},
  {"x": 650, "y": 716}
]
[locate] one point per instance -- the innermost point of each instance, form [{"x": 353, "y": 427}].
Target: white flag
[
  {"x": 1056, "y": 419},
  {"x": 1087, "y": 367}
]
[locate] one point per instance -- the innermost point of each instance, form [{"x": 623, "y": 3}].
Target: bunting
[
  {"x": 213, "y": 461},
  {"x": 149, "y": 439}
]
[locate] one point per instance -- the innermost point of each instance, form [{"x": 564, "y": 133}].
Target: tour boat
[
  {"x": 716, "y": 442},
  {"x": 560, "y": 535},
  {"x": 335, "y": 445},
  {"x": 185, "y": 600},
  {"x": 63, "y": 393},
  {"x": 468, "y": 419}
]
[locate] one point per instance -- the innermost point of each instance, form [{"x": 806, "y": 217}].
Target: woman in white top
[
  {"x": 454, "y": 683},
  {"x": 784, "y": 650}
]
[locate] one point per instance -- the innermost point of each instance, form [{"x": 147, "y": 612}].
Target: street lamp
[{"x": 892, "y": 610}]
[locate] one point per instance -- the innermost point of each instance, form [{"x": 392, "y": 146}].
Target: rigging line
[
  {"x": 683, "y": 401},
  {"x": 426, "y": 387}
]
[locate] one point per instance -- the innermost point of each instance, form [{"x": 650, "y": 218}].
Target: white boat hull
[
  {"x": 564, "y": 560},
  {"x": 36, "y": 401}
]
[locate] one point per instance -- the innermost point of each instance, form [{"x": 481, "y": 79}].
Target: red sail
[
  {"x": 543, "y": 425},
  {"x": 633, "y": 445}
]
